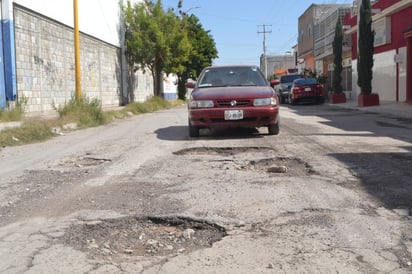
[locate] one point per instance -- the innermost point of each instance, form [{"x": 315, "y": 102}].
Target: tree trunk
[
  {"x": 181, "y": 87},
  {"x": 131, "y": 80},
  {"x": 157, "y": 82}
]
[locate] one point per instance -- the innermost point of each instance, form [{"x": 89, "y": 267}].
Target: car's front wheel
[
  {"x": 273, "y": 129},
  {"x": 193, "y": 130}
]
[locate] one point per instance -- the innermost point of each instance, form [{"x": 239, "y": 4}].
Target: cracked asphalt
[{"x": 331, "y": 193}]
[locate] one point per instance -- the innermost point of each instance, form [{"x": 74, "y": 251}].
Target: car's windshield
[
  {"x": 305, "y": 81},
  {"x": 231, "y": 76},
  {"x": 289, "y": 78}
]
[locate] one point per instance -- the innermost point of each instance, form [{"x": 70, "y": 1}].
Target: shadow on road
[{"x": 386, "y": 176}]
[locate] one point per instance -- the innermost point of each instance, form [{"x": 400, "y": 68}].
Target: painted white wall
[
  {"x": 402, "y": 75},
  {"x": 384, "y": 76},
  {"x": 98, "y": 18}
]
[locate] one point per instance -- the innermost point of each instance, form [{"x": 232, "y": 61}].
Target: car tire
[
  {"x": 193, "y": 130},
  {"x": 273, "y": 129},
  {"x": 292, "y": 101}
]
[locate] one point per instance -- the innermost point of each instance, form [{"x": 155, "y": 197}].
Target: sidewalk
[{"x": 397, "y": 109}]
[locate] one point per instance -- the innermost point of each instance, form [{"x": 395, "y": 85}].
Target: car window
[
  {"x": 305, "y": 81},
  {"x": 289, "y": 78},
  {"x": 231, "y": 76}
]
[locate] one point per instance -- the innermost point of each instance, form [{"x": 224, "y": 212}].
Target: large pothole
[
  {"x": 256, "y": 159},
  {"x": 282, "y": 165},
  {"x": 85, "y": 161},
  {"x": 142, "y": 236}
]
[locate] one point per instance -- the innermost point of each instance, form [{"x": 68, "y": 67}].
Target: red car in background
[
  {"x": 306, "y": 90},
  {"x": 232, "y": 96}
]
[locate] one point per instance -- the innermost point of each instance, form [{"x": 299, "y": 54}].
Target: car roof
[{"x": 232, "y": 66}]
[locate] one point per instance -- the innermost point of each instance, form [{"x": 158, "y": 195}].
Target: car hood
[{"x": 233, "y": 92}]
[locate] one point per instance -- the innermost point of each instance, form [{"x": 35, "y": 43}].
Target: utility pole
[
  {"x": 265, "y": 66},
  {"x": 77, "y": 50}
]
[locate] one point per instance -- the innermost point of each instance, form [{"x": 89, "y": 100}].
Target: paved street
[{"x": 330, "y": 193}]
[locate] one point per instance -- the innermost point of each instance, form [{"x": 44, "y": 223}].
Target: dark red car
[
  {"x": 232, "y": 96},
  {"x": 305, "y": 90}
]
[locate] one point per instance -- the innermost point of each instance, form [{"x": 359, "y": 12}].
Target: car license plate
[
  {"x": 308, "y": 89},
  {"x": 233, "y": 114}
]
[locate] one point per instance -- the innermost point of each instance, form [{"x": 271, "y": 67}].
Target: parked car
[
  {"x": 232, "y": 96},
  {"x": 285, "y": 83},
  {"x": 274, "y": 83},
  {"x": 306, "y": 90}
]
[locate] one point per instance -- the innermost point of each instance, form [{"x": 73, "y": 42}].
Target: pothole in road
[
  {"x": 142, "y": 236},
  {"x": 290, "y": 166},
  {"x": 85, "y": 161},
  {"x": 225, "y": 151},
  {"x": 282, "y": 165}
]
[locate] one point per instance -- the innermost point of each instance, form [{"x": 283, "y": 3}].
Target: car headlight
[
  {"x": 264, "y": 102},
  {"x": 201, "y": 104}
]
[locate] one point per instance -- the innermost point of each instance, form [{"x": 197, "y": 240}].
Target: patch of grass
[
  {"x": 84, "y": 113},
  {"x": 155, "y": 103},
  {"x": 15, "y": 113},
  {"x": 30, "y": 131}
]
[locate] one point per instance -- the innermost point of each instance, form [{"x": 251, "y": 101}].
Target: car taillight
[{"x": 297, "y": 89}]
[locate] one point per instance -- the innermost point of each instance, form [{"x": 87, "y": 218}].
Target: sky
[
  {"x": 234, "y": 25},
  {"x": 105, "y": 15}
]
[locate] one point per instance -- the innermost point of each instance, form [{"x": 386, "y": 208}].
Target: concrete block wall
[{"x": 45, "y": 64}]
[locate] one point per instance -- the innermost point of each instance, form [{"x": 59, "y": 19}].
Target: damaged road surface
[{"x": 326, "y": 195}]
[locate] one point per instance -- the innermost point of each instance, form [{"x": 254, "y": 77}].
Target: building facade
[
  {"x": 280, "y": 64},
  {"x": 392, "y": 70},
  {"x": 324, "y": 34},
  {"x": 306, "y": 39}
]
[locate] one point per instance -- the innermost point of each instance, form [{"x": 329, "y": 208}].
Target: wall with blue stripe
[
  {"x": 8, "y": 85},
  {"x": 2, "y": 84},
  {"x": 9, "y": 59}
]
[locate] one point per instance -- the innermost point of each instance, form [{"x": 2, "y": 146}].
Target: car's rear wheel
[
  {"x": 273, "y": 129},
  {"x": 193, "y": 130},
  {"x": 292, "y": 101}
]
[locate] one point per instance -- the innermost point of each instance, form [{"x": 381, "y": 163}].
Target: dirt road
[{"x": 330, "y": 193}]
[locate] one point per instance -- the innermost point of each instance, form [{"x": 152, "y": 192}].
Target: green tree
[
  {"x": 155, "y": 40},
  {"x": 366, "y": 48},
  {"x": 203, "y": 51},
  {"x": 337, "y": 60}
]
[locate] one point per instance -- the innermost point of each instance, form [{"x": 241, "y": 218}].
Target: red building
[{"x": 392, "y": 71}]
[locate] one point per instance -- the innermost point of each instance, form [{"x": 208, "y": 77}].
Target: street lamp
[{"x": 183, "y": 13}]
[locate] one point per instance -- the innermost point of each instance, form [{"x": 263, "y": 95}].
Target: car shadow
[{"x": 181, "y": 133}]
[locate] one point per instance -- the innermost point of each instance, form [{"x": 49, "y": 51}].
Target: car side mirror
[
  {"x": 274, "y": 82},
  {"x": 190, "y": 85}
]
